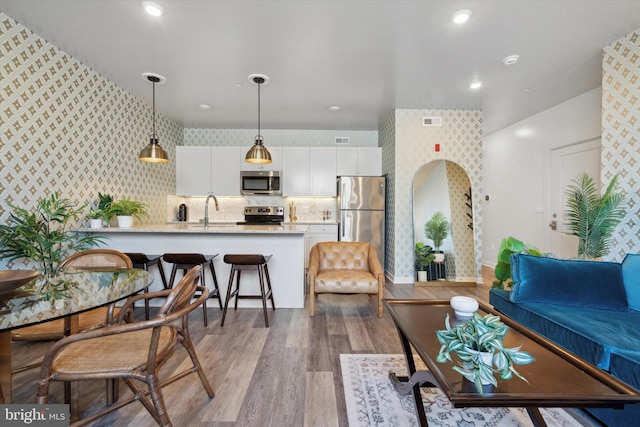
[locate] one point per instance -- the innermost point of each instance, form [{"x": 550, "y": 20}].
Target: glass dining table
[{"x": 67, "y": 293}]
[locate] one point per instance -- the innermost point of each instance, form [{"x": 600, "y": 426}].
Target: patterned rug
[{"x": 372, "y": 401}]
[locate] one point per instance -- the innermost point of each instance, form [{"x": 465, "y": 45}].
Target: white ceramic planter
[
  {"x": 125, "y": 221},
  {"x": 95, "y": 223},
  {"x": 464, "y": 307},
  {"x": 422, "y": 276}
]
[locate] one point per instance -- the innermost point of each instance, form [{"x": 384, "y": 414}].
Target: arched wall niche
[{"x": 444, "y": 186}]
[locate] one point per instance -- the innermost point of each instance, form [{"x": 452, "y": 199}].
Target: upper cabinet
[
  {"x": 309, "y": 171},
  {"x": 193, "y": 169},
  {"x": 275, "y": 165},
  {"x": 204, "y": 170},
  {"x": 360, "y": 161}
]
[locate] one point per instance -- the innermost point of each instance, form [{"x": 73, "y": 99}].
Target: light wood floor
[{"x": 284, "y": 375}]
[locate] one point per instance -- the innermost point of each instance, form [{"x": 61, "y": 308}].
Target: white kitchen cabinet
[
  {"x": 193, "y": 170},
  {"x": 309, "y": 171},
  {"x": 318, "y": 233},
  {"x": 225, "y": 171},
  {"x": 275, "y": 165},
  {"x": 201, "y": 170},
  {"x": 359, "y": 161}
]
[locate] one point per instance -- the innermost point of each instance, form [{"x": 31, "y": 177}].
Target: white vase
[
  {"x": 125, "y": 221},
  {"x": 422, "y": 276},
  {"x": 487, "y": 358},
  {"x": 439, "y": 257},
  {"x": 95, "y": 223}
]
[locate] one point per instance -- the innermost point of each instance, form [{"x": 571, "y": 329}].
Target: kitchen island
[{"x": 285, "y": 242}]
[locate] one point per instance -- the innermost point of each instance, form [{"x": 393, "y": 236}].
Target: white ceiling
[{"x": 368, "y": 57}]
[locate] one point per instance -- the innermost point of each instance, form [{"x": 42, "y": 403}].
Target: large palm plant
[
  {"x": 43, "y": 236},
  {"x": 593, "y": 217}
]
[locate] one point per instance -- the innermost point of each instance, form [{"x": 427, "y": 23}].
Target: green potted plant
[
  {"x": 509, "y": 246},
  {"x": 101, "y": 215},
  {"x": 43, "y": 236},
  {"x": 478, "y": 344},
  {"x": 593, "y": 217},
  {"x": 423, "y": 257},
  {"x": 437, "y": 229},
  {"x": 126, "y": 209}
]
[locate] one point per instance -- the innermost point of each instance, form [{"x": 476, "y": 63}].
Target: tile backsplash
[{"x": 308, "y": 209}]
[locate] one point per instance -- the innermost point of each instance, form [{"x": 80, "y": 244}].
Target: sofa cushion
[
  {"x": 344, "y": 255},
  {"x": 591, "y": 333},
  {"x": 346, "y": 282},
  {"x": 576, "y": 283},
  {"x": 631, "y": 279}
]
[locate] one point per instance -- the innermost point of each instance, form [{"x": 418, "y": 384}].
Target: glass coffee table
[{"x": 556, "y": 379}]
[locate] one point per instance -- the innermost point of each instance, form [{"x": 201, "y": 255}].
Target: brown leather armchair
[{"x": 344, "y": 268}]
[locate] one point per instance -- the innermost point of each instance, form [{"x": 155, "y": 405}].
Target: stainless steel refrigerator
[{"x": 361, "y": 204}]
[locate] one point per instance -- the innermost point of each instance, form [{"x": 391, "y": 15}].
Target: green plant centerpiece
[
  {"x": 43, "y": 236},
  {"x": 437, "y": 229},
  {"x": 476, "y": 336},
  {"x": 593, "y": 217},
  {"x": 509, "y": 246},
  {"x": 102, "y": 208},
  {"x": 126, "y": 207}
]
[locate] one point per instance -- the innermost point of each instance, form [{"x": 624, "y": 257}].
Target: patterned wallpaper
[
  {"x": 387, "y": 141},
  {"x": 413, "y": 146},
  {"x": 621, "y": 135},
  {"x": 65, "y": 128},
  {"x": 462, "y": 259},
  {"x": 278, "y": 137}
]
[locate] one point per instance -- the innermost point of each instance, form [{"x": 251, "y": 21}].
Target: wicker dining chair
[
  {"x": 92, "y": 259},
  {"x": 99, "y": 317},
  {"x": 131, "y": 351}
]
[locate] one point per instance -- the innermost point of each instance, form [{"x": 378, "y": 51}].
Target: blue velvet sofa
[{"x": 591, "y": 308}]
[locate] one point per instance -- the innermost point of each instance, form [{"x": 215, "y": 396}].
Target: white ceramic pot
[
  {"x": 464, "y": 307},
  {"x": 487, "y": 359},
  {"x": 422, "y": 276},
  {"x": 439, "y": 257},
  {"x": 95, "y": 223},
  {"x": 125, "y": 221}
]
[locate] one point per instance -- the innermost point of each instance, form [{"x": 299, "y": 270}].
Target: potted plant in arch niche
[
  {"x": 126, "y": 209},
  {"x": 437, "y": 229},
  {"x": 43, "y": 236},
  {"x": 593, "y": 217},
  {"x": 423, "y": 257},
  {"x": 478, "y": 345}
]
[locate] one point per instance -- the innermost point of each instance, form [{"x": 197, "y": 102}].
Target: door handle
[
  {"x": 342, "y": 223},
  {"x": 553, "y": 224}
]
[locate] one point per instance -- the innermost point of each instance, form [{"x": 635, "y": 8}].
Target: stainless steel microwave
[{"x": 261, "y": 182}]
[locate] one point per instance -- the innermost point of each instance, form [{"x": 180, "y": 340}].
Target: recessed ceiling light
[
  {"x": 476, "y": 84},
  {"x": 334, "y": 108},
  {"x": 525, "y": 89},
  {"x": 205, "y": 106},
  {"x": 461, "y": 16},
  {"x": 239, "y": 84},
  {"x": 152, "y": 8},
  {"x": 511, "y": 59}
]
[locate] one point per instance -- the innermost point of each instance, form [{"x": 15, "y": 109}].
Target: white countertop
[{"x": 215, "y": 228}]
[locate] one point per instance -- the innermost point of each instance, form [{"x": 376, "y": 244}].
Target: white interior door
[{"x": 566, "y": 164}]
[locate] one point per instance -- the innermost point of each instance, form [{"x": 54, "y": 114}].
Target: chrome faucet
[{"x": 206, "y": 208}]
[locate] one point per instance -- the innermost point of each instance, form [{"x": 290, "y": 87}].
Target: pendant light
[
  {"x": 258, "y": 153},
  {"x": 153, "y": 152}
]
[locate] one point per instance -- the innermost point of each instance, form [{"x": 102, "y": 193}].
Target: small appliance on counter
[
  {"x": 263, "y": 215},
  {"x": 183, "y": 212}
]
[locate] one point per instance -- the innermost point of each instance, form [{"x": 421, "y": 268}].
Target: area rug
[{"x": 372, "y": 401}]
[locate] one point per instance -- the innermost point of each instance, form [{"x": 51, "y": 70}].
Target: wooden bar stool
[
  {"x": 249, "y": 262},
  {"x": 185, "y": 262},
  {"x": 144, "y": 261}
]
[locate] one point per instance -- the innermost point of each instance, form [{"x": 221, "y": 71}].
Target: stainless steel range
[{"x": 263, "y": 215}]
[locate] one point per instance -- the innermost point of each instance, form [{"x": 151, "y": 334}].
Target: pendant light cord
[
  {"x": 154, "y": 109},
  {"x": 259, "y": 136}
]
